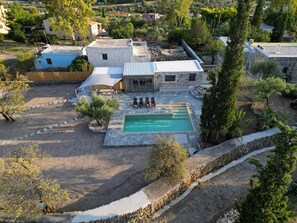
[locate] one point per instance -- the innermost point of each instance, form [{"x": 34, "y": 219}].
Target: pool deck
[{"x": 116, "y": 137}]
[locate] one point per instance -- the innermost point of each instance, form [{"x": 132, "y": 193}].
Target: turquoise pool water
[{"x": 178, "y": 121}]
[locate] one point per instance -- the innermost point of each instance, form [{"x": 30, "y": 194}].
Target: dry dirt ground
[
  {"x": 93, "y": 175},
  {"x": 205, "y": 204}
]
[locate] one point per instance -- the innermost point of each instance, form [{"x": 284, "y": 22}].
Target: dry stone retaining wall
[{"x": 201, "y": 164}]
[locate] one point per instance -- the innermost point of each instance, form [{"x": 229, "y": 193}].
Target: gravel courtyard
[{"x": 93, "y": 175}]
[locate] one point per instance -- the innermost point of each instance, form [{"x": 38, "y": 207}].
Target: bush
[
  {"x": 26, "y": 61},
  {"x": 1, "y": 38},
  {"x": 290, "y": 91},
  {"x": 80, "y": 63},
  {"x": 166, "y": 159},
  {"x": 260, "y": 35},
  {"x": 268, "y": 119},
  {"x": 19, "y": 36}
]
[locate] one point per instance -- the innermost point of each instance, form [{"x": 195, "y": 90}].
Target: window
[
  {"x": 169, "y": 78},
  {"x": 104, "y": 56},
  {"x": 192, "y": 77},
  {"x": 285, "y": 69},
  {"x": 49, "y": 61}
]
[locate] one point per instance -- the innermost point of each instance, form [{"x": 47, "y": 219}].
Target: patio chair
[
  {"x": 140, "y": 103},
  {"x": 147, "y": 102},
  {"x": 135, "y": 103},
  {"x": 153, "y": 103}
]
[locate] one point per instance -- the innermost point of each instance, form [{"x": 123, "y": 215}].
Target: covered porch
[{"x": 139, "y": 76}]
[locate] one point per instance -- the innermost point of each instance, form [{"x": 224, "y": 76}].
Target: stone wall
[
  {"x": 190, "y": 52},
  {"x": 181, "y": 80},
  {"x": 220, "y": 155}
]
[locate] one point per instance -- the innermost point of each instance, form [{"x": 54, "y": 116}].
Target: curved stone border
[
  {"x": 37, "y": 132},
  {"x": 96, "y": 129},
  {"x": 49, "y": 103},
  {"x": 160, "y": 192}
]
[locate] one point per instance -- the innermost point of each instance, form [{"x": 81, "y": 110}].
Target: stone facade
[
  {"x": 181, "y": 80},
  {"x": 116, "y": 57}
]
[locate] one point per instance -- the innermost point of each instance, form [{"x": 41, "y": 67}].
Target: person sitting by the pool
[
  {"x": 140, "y": 103},
  {"x": 147, "y": 102},
  {"x": 153, "y": 103},
  {"x": 135, "y": 103}
]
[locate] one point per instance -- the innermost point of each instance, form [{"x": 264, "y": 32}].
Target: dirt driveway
[{"x": 93, "y": 175}]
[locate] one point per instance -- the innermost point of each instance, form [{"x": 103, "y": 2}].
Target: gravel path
[{"x": 212, "y": 199}]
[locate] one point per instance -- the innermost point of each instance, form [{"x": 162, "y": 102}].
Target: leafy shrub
[
  {"x": 290, "y": 91},
  {"x": 260, "y": 35},
  {"x": 166, "y": 159},
  {"x": 19, "y": 36},
  {"x": 268, "y": 119},
  {"x": 26, "y": 61},
  {"x": 1, "y": 38},
  {"x": 80, "y": 63}
]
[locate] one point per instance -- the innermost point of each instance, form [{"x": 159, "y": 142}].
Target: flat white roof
[
  {"x": 277, "y": 49},
  {"x": 149, "y": 68},
  {"x": 178, "y": 66},
  {"x": 138, "y": 69},
  {"x": 111, "y": 43},
  {"x": 63, "y": 50}
]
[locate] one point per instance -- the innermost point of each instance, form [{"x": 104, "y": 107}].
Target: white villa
[{"x": 116, "y": 52}]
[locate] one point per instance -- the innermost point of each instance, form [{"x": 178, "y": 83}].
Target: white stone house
[
  {"x": 153, "y": 76},
  {"x": 93, "y": 30},
  {"x": 285, "y": 54},
  {"x": 116, "y": 52}
]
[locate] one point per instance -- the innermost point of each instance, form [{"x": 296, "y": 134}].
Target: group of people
[{"x": 141, "y": 104}]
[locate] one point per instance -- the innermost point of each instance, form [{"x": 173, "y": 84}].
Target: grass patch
[{"x": 8, "y": 47}]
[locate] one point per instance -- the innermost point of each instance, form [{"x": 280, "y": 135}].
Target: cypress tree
[
  {"x": 266, "y": 201},
  {"x": 220, "y": 106},
  {"x": 258, "y": 15}
]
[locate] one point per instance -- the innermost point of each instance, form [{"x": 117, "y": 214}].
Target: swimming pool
[{"x": 177, "y": 121}]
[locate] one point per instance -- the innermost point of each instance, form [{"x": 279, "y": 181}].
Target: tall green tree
[
  {"x": 219, "y": 108},
  {"x": 176, "y": 11},
  {"x": 70, "y": 16},
  {"x": 24, "y": 190},
  {"x": 267, "y": 201},
  {"x": 283, "y": 9},
  {"x": 11, "y": 96},
  {"x": 258, "y": 15},
  {"x": 214, "y": 47}
]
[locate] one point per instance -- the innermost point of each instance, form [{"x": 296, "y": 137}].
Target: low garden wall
[
  {"x": 191, "y": 53},
  {"x": 161, "y": 192}
]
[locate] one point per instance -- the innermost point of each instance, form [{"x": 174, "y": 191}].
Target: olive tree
[
  {"x": 166, "y": 159},
  {"x": 24, "y": 190},
  {"x": 11, "y": 96},
  {"x": 98, "y": 108}
]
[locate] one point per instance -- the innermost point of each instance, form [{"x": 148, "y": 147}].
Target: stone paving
[{"x": 116, "y": 137}]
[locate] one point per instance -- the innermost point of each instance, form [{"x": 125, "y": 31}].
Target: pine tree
[
  {"x": 266, "y": 201},
  {"x": 221, "y": 106},
  {"x": 258, "y": 15}
]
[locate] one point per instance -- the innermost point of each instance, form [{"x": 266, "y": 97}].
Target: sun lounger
[
  {"x": 147, "y": 102},
  {"x": 135, "y": 103},
  {"x": 140, "y": 103},
  {"x": 153, "y": 103}
]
